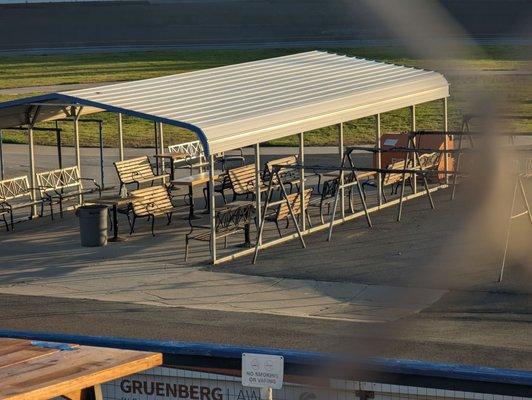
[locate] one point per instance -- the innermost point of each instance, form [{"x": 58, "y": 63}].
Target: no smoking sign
[{"x": 262, "y": 370}]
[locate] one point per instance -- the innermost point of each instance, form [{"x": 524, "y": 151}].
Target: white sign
[
  {"x": 390, "y": 142},
  {"x": 262, "y": 370}
]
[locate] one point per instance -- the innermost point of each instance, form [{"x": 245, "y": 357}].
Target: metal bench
[
  {"x": 289, "y": 176},
  {"x": 151, "y": 202},
  {"x": 62, "y": 184},
  {"x": 230, "y": 219},
  {"x": 195, "y": 158},
  {"x": 283, "y": 212},
  {"x": 136, "y": 171},
  {"x": 16, "y": 193}
]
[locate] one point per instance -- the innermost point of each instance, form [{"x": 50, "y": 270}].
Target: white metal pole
[
  {"x": 161, "y": 144},
  {"x": 341, "y": 155},
  {"x": 445, "y": 129},
  {"x": 378, "y": 144},
  {"x": 212, "y": 208},
  {"x": 32, "y": 170},
  {"x": 258, "y": 210},
  {"x": 77, "y": 148},
  {"x": 120, "y": 138},
  {"x": 76, "y": 139},
  {"x": 413, "y": 129},
  {"x": 302, "y": 181}
]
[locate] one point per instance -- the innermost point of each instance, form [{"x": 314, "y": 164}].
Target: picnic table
[
  {"x": 192, "y": 181},
  {"x": 45, "y": 370}
]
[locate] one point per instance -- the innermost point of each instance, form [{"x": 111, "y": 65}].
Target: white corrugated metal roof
[{"x": 242, "y": 104}]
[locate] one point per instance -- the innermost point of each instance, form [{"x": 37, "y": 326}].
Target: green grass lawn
[{"x": 23, "y": 71}]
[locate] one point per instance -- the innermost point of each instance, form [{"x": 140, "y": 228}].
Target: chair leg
[
  {"x": 308, "y": 219},
  {"x": 5, "y": 222},
  {"x": 61, "y": 207},
  {"x": 225, "y": 242},
  {"x": 169, "y": 217},
  {"x": 153, "y": 226},
  {"x": 223, "y": 197},
  {"x": 278, "y": 229},
  {"x": 321, "y": 215},
  {"x": 132, "y": 224},
  {"x": 186, "y": 247}
]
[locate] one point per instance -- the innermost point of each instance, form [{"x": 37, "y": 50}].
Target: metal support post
[
  {"x": 212, "y": 209},
  {"x": 445, "y": 129},
  {"x": 378, "y": 156},
  {"x": 258, "y": 205},
  {"x": 120, "y": 138},
  {"x": 413, "y": 129},
  {"x": 32, "y": 170},
  {"x": 161, "y": 145},
  {"x": 100, "y": 130},
  {"x": 301, "y": 161},
  {"x": 76, "y": 113},
  {"x": 1, "y": 155},
  {"x": 59, "y": 145},
  {"x": 342, "y": 174}
]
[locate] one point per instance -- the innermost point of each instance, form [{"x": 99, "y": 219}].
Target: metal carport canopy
[{"x": 243, "y": 104}]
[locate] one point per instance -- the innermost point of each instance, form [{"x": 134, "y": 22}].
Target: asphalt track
[{"x": 141, "y": 25}]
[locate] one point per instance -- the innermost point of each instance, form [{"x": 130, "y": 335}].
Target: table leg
[
  {"x": 172, "y": 170},
  {"x": 191, "y": 214},
  {"x": 247, "y": 236},
  {"x": 115, "y": 237}
]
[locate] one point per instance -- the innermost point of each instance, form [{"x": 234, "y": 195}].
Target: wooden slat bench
[
  {"x": 230, "y": 219},
  {"x": 16, "y": 194},
  {"x": 288, "y": 175},
  {"x": 137, "y": 171},
  {"x": 243, "y": 181},
  {"x": 392, "y": 179},
  {"x": 62, "y": 184},
  {"x": 151, "y": 202},
  {"x": 283, "y": 212}
]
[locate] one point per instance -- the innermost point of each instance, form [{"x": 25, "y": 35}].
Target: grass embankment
[{"x": 24, "y": 71}]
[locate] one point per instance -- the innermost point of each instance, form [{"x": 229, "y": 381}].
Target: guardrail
[{"x": 302, "y": 365}]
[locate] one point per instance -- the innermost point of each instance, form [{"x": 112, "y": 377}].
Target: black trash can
[{"x": 93, "y": 225}]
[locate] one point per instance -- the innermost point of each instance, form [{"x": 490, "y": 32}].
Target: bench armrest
[{"x": 98, "y": 187}]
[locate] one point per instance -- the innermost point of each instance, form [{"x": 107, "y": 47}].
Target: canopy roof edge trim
[{"x": 243, "y": 104}]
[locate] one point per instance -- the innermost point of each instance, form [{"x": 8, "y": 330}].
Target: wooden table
[
  {"x": 44, "y": 370},
  {"x": 172, "y": 157},
  {"x": 191, "y": 181},
  {"x": 114, "y": 203}
]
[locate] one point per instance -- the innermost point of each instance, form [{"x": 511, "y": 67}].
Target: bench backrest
[
  {"x": 129, "y": 171},
  {"x": 243, "y": 179},
  {"x": 285, "y": 161},
  {"x": 192, "y": 149},
  {"x": 295, "y": 202},
  {"x": 59, "y": 179},
  {"x": 230, "y": 219},
  {"x": 429, "y": 160},
  {"x": 14, "y": 188},
  {"x": 151, "y": 200}
]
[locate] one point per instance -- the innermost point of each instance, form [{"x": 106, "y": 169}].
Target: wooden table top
[
  {"x": 44, "y": 370},
  {"x": 111, "y": 200},
  {"x": 173, "y": 156},
  {"x": 194, "y": 180}
]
